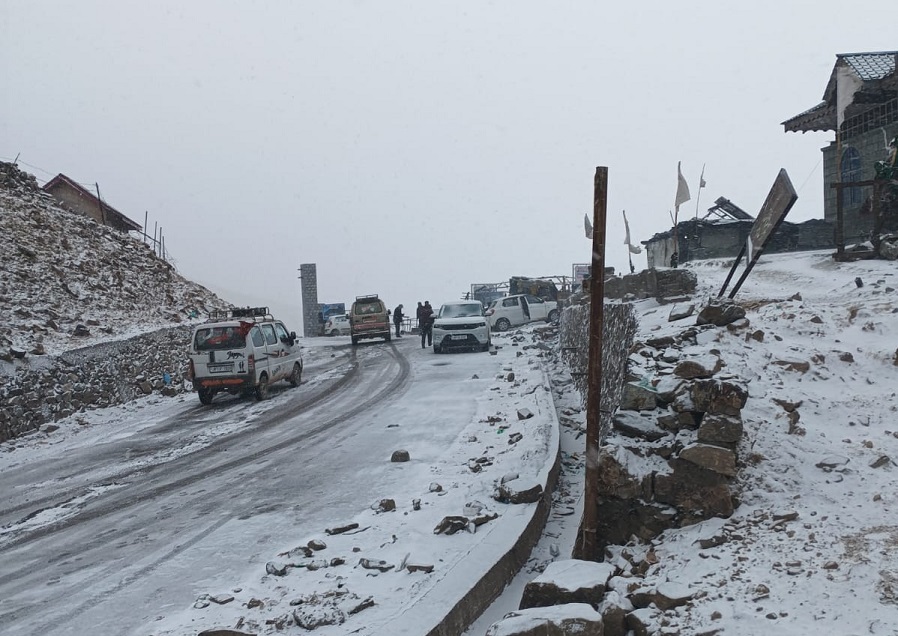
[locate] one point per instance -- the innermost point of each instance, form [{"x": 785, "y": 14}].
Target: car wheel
[
  {"x": 355, "y": 341},
  {"x": 334, "y": 332},
  {"x": 503, "y": 324},
  {"x": 485, "y": 347},
  {"x": 387, "y": 338},
  {"x": 206, "y": 395},
  {"x": 262, "y": 388},
  {"x": 437, "y": 349},
  {"x": 296, "y": 377},
  {"x": 553, "y": 316}
]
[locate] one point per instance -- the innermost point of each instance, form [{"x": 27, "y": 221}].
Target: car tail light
[
  {"x": 191, "y": 372},
  {"x": 251, "y": 363}
]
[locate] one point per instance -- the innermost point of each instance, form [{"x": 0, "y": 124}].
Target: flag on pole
[
  {"x": 701, "y": 179},
  {"x": 682, "y": 188},
  {"x": 587, "y": 226},
  {"x": 634, "y": 249}
]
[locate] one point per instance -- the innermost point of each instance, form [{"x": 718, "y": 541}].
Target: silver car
[{"x": 461, "y": 325}]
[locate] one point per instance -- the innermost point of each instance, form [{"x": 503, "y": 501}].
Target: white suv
[
  {"x": 511, "y": 311},
  {"x": 461, "y": 325},
  {"x": 242, "y": 351}
]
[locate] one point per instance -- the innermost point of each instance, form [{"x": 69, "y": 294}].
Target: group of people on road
[{"x": 424, "y": 317}]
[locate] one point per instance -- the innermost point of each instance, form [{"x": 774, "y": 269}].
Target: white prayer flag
[
  {"x": 682, "y": 188},
  {"x": 587, "y": 226},
  {"x": 634, "y": 249}
]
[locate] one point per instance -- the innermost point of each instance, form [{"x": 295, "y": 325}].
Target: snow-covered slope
[
  {"x": 811, "y": 548},
  {"x": 61, "y": 270}
]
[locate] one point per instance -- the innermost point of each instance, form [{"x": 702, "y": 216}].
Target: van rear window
[
  {"x": 376, "y": 307},
  {"x": 218, "y": 338}
]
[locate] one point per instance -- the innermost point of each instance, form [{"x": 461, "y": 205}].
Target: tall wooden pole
[
  {"x": 840, "y": 212},
  {"x": 100, "y": 202},
  {"x": 594, "y": 382}
]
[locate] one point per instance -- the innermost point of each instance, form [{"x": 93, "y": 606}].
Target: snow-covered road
[{"x": 123, "y": 517}]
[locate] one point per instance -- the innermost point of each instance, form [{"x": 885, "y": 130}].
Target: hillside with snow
[
  {"x": 811, "y": 545},
  {"x": 69, "y": 282}
]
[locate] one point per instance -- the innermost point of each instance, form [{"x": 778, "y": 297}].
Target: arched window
[{"x": 851, "y": 171}]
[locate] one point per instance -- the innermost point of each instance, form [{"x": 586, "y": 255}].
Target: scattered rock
[
  {"x": 452, "y": 524},
  {"x": 373, "y": 564},
  {"x": 342, "y": 529},
  {"x": 504, "y": 494},
  {"x": 277, "y": 569},
  {"x": 400, "y": 456}
]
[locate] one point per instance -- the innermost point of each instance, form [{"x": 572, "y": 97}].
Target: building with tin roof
[{"x": 860, "y": 105}]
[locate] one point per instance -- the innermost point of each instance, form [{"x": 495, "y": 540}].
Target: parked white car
[
  {"x": 511, "y": 311},
  {"x": 243, "y": 352},
  {"x": 461, "y": 325},
  {"x": 337, "y": 326}
]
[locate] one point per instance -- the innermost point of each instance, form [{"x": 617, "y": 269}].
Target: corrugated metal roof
[{"x": 871, "y": 66}]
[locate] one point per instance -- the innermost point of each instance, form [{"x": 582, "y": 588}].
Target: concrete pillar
[{"x": 308, "y": 273}]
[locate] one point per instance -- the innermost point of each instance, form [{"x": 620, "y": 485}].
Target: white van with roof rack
[{"x": 242, "y": 351}]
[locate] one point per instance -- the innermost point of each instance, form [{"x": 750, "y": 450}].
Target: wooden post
[
  {"x": 840, "y": 214},
  {"x": 839, "y": 187},
  {"x": 100, "y": 201},
  {"x": 594, "y": 381}
]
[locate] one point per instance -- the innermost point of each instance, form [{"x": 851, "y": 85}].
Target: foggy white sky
[{"x": 413, "y": 148}]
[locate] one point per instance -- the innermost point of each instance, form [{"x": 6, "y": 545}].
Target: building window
[{"x": 851, "y": 171}]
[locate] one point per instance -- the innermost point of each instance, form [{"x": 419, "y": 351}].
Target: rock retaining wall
[
  {"x": 671, "y": 456},
  {"x": 38, "y": 390}
]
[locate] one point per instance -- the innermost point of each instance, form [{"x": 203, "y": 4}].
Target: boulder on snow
[{"x": 568, "y": 581}]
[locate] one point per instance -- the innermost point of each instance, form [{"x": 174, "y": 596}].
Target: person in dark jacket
[
  {"x": 397, "y": 319},
  {"x": 426, "y": 323},
  {"x": 418, "y": 314}
]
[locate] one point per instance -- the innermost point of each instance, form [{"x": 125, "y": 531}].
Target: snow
[{"x": 810, "y": 548}]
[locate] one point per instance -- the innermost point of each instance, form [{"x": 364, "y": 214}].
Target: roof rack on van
[
  {"x": 247, "y": 313},
  {"x": 367, "y": 297}
]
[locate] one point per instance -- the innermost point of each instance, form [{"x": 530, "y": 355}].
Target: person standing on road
[
  {"x": 426, "y": 323},
  {"x": 418, "y": 315},
  {"x": 397, "y": 319}
]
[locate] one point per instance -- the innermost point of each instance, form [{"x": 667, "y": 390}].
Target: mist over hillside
[{"x": 68, "y": 281}]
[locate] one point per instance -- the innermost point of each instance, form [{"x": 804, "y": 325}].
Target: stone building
[
  {"x": 722, "y": 233},
  {"x": 860, "y": 104},
  {"x": 76, "y": 198}
]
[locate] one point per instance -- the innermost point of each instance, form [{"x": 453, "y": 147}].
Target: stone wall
[
  {"x": 671, "y": 455},
  {"x": 38, "y": 390},
  {"x": 652, "y": 283}
]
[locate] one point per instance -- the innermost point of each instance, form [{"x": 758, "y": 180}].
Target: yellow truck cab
[
  {"x": 369, "y": 318},
  {"x": 242, "y": 351}
]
